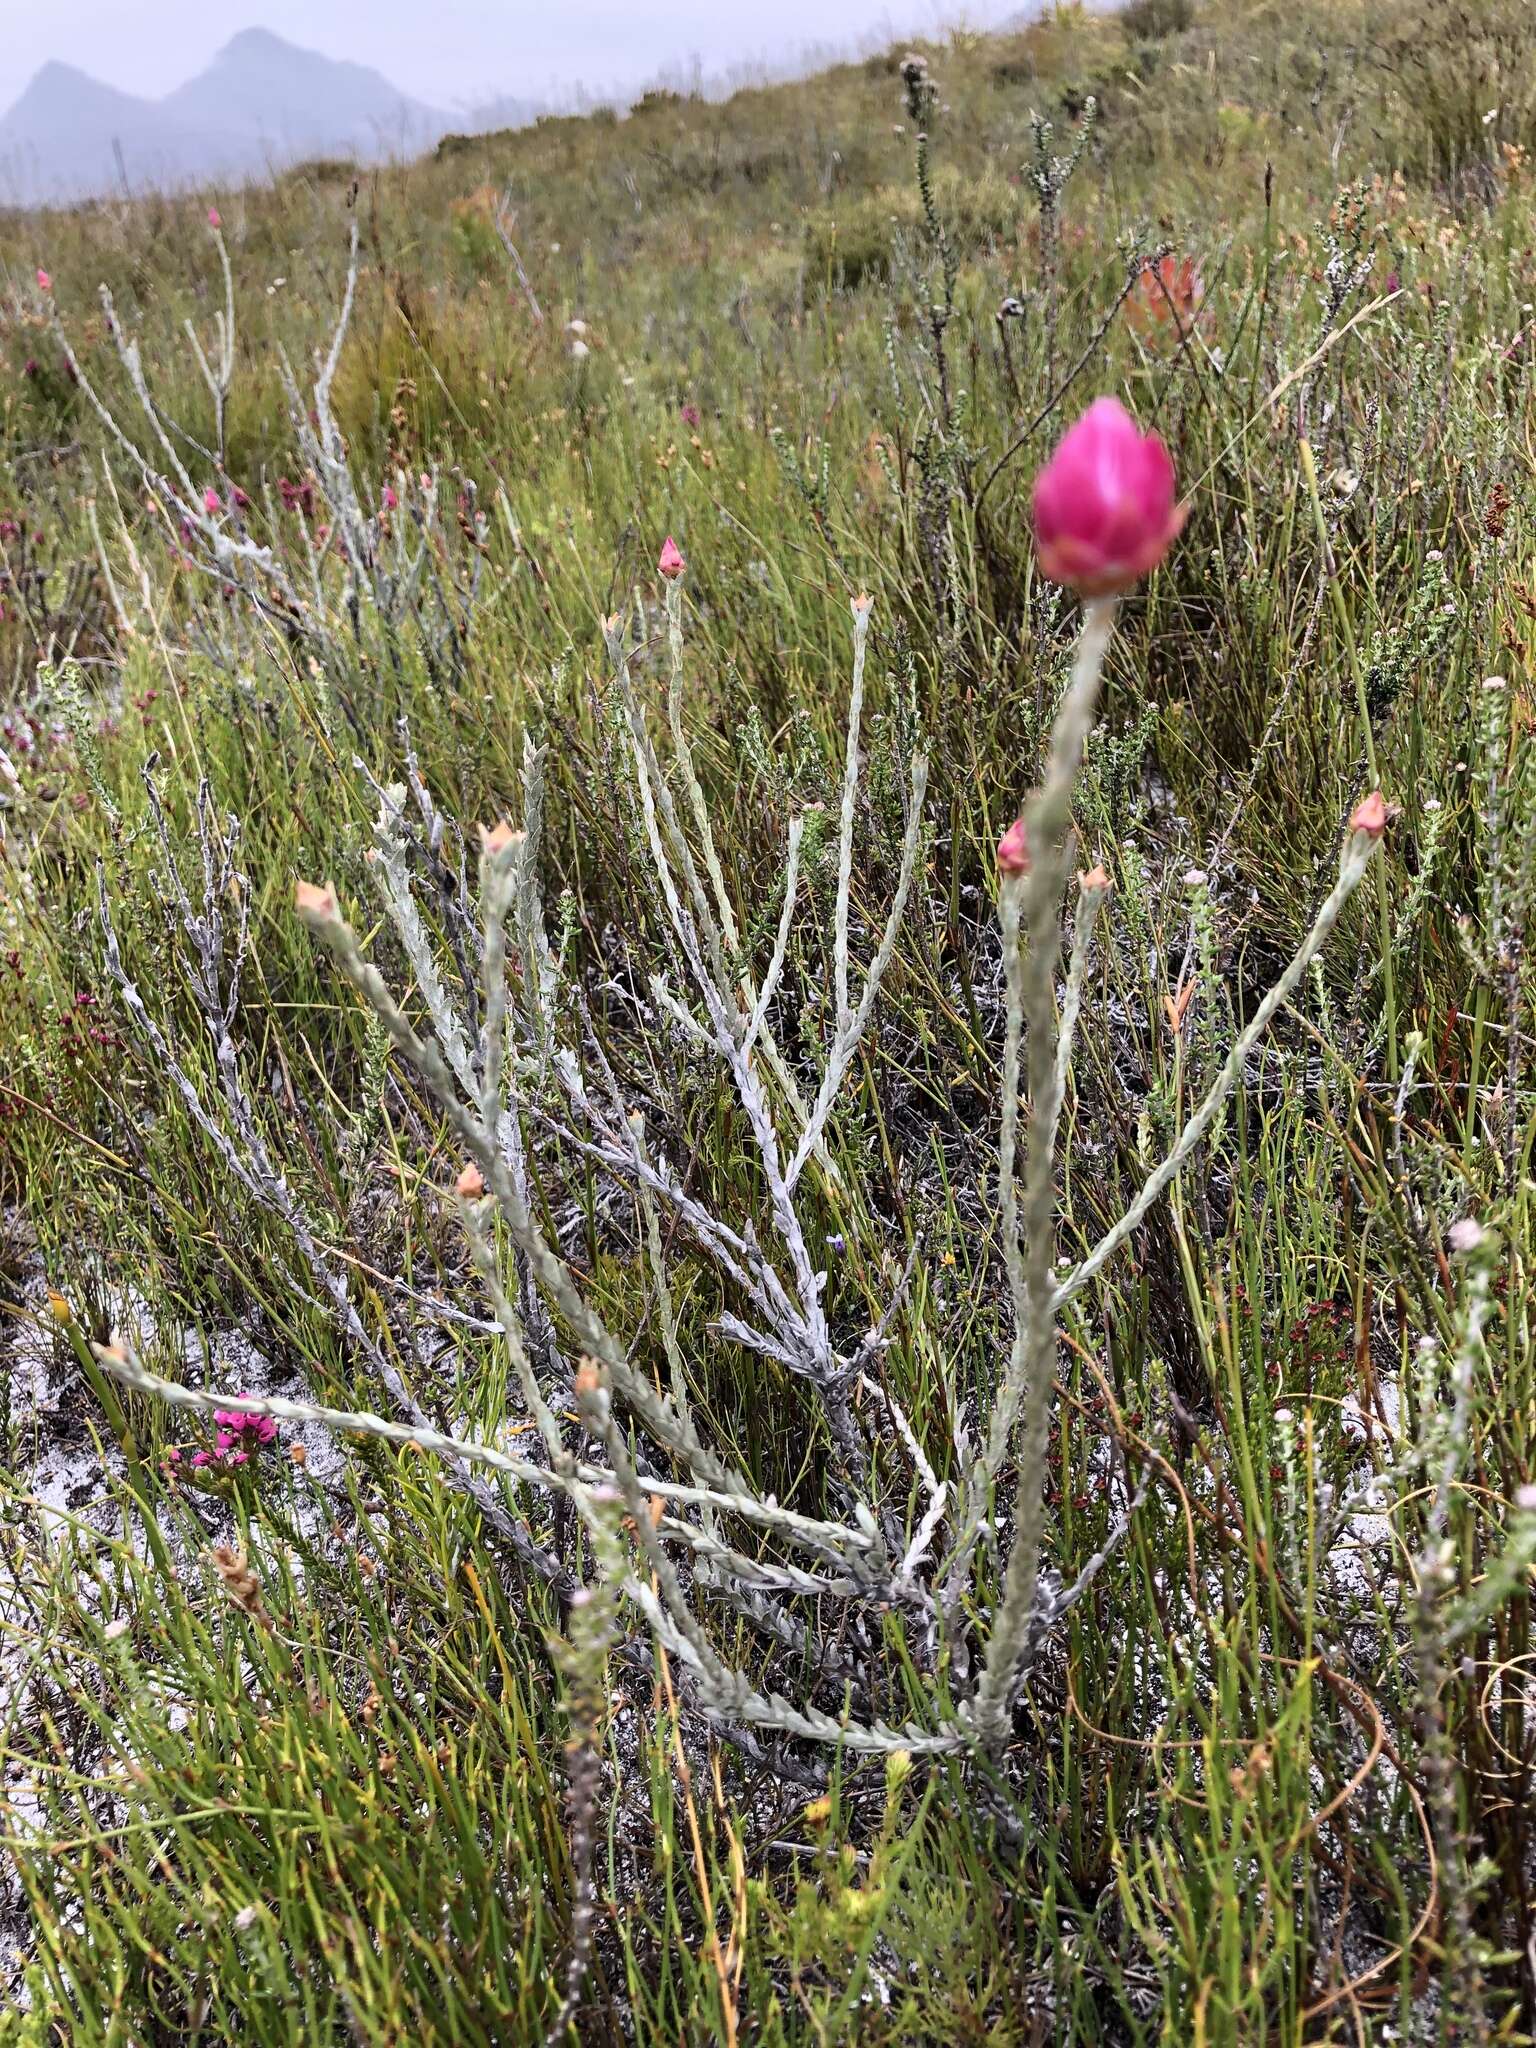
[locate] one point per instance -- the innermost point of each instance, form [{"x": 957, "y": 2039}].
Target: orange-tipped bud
[
  {"x": 316, "y": 902},
  {"x": 1094, "y": 881},
  {"x": 496, "y": 838},
  {"x": 470, "y": 1183}
]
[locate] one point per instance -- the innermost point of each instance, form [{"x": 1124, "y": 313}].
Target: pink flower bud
[
  {"x": 1105, "y": 512},
  {"x": 671, "y": 563},
  {"x": 1370, "y": 815},
  {"x": 211, "y": 501},
  {"x": 1013, "y": 850},
  {"x": 44, "y": 281},
  {"x": 213, "y": 218},
  {"x": 316, "y": 902},
  {"x": 391, "y": 497}
]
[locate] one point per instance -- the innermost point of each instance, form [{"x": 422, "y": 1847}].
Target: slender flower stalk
[{"x": 1033, "y": 900}]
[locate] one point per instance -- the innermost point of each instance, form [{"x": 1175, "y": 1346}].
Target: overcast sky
[{"x": 458, "y": 52}]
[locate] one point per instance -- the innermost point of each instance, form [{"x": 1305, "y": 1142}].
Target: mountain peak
[
  {"x": 263, "y": 101},
  {"x": 256, "y": 38}
]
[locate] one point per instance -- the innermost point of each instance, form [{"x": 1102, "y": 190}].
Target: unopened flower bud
[
  {"x": 496, "y": 838},
  {"x": 1013, "y": 850},
  {"x": 1105, "y": 510},
  {"x": 316, "y": 902},
  {"x": 470, "y": 1184},
  {"x": 671, "y": 563},
  {"x": 1370, "y": 815},
  {"x": 1094, "y": 881}
]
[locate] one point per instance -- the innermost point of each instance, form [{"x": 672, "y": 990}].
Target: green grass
[{"x": 1230, "y": 1818}]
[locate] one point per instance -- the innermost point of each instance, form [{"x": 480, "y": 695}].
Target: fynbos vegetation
[{"x": 765, "y": 1112}]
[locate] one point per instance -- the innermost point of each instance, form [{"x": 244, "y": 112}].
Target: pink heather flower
[
  {"x": 1104, "y": 504},
  {"x": 213, "y": 218},
  {"x": 201, "y": 1458},
  {"x": 671, "y": 563},
  {"x": 391, "y": 497},
  {"x": 1013, "y": 850},
  {"x": 235, "y": 1425},
  {"x": 212, "y": 501},
  {"x": 689, "y": 415},
  {"x": 44, "y": 281}
]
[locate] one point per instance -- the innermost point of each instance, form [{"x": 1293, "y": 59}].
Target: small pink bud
[
  {"x": 1370, "y": 815},
  {"x": 213, "y": 218},
  {"x": 1104, "y": 506},
  {"x": 44, "y": 281},
  {"x": 498, "y": 837},
  {"x": 671, "y": 563},
  {"x": 211, "y": 500},
  {"x": 470, "y": 1183},
  {"x": 316, "y": 902},
  {"x": 1093, "y": 881},
  {"x": 391, "y": 497},
  {"x": 1013, "y": 850}
]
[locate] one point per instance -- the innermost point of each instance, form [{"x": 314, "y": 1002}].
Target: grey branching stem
[{"x": 617, "y": 1483}]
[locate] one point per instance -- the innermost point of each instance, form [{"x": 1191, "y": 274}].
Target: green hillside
[{"x": 886, "y": 1599}]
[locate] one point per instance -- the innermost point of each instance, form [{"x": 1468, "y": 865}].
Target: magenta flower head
[
  {"x": 391, "y": 497},
  {"x": 237, "y": 1428},
  {"x": 211, "y": 500},
  {"x": 1105, "y": 511},
  {"x": 671, "y": 563},
  {"x": 44, "y": 281},
  {"x": 214, "y": 220}
]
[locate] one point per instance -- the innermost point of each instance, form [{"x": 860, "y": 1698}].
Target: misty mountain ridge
[{"x": 262, "y": 102}]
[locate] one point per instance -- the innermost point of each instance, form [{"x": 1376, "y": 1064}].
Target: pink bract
[{"x": 1104, "y": 505}]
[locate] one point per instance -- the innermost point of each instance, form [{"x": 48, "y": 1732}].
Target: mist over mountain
[{"x": 262, "y": 102}]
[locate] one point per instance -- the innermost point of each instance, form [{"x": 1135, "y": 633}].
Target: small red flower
[{"x": 1166, "y": 297}]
